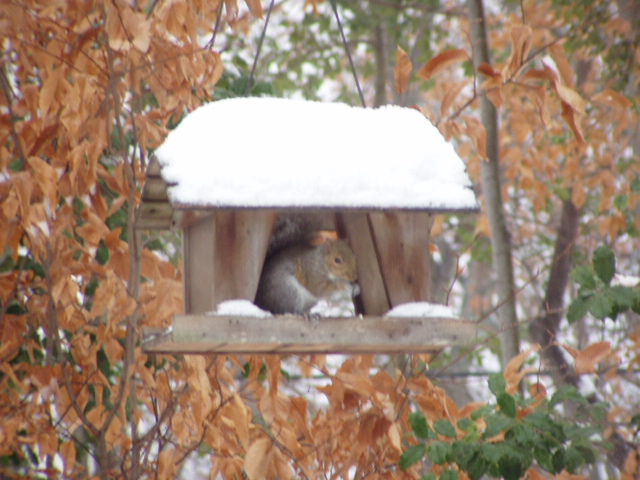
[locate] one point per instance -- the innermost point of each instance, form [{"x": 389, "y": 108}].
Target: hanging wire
[
  {"x": 216, "y": 27},
  {"x": 255, "y": 60},
  {"x": 346, "y": 48}
]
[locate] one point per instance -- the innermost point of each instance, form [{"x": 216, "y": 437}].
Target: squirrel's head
[{"x": 341, "y": 260}]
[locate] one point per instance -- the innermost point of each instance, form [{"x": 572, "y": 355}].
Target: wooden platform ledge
[{"x": 193, "y": 334}]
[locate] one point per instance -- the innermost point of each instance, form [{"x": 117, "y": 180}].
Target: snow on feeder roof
[{"x": 281, "y": 153}]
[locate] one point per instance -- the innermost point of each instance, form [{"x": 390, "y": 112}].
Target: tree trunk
[
  {"x": 379, "y": 41},
  {"x": 491, "y": 186},
  {"x": 544, "y": 329}
]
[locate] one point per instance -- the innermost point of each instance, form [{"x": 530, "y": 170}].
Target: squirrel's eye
[{"x": 338, "y": 260}]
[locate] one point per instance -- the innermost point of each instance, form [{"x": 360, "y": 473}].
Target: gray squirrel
[{"x": 304, "y": 265}]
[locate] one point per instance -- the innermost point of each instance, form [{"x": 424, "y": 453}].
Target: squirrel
[{"x": 303, "y": 266}]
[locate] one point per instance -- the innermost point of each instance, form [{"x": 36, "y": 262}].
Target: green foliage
[
  {"x": 233, "y": 85},
  {"x": 596, "y": 295},
  {"x": 419, "y": 425},
  {"x": 510, "y": 443}
]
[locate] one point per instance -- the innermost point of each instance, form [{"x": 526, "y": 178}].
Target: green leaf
[
  {"x": 430, "y": 476},
  {"x": 635, "y": 421},
  {"x": 636, "y": 302},
  {"x": 512, "y": 467},
  {"x": 562, "y": 193},
  {"x": 419, "y": 425},
  {"x": 7, "y": 263},
  {"x": 438, "y": 452},
  {"x": 497, "y": 383},
  {"x": 463, "y": 424},
  {"x": 16, "y": 165},
  {"x": 15, "y": 308},
  {"x": 449, "y": 475},
  {"x": 623, "y": 296},
  {"x": 496, "y": 424},
  {"x": 604, "y": 263},
  {"x": 583, "y": 275},
  {"x": 621, "y": 202},
  {"x": 491, "y": 452},
  {"x": 481, "y": 412},
  {"x": 523, "y": 434},
  {"x": 102, "y": 253},
  {"x": 462, "y": 452},
  {"x": 412, "y": 455},
  {"x": 543, "y": 457},
  {"x": 573, "y": 459},
  {"x": 564, "y": 393},
  {"x": 578, "y": 309},
  {"x": 445, "y": 427},
  {"x": 507, "y": 404},
  {"x": 544, "y": 423},
  {"x": 635, "y": 185},
  {"x": 35, "y": 267},
  {"x": 601, "y": 307}
]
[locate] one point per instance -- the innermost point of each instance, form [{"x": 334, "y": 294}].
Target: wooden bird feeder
[{"x": 376, "y": 176}]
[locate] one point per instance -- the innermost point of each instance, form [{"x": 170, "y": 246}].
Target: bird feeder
[{"x": 376, "y": 176}]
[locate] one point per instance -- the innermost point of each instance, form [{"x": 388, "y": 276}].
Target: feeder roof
[{"x": 282, "y": 153}]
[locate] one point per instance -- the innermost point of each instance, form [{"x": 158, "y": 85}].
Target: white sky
[{"x": 268, "y": 152}]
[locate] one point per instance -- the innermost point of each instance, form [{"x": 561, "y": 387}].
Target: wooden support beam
[
  {"x": 284, "y": 334},
  {"x": 372, "y": 289},
  {"x": 402, "y": 245}
]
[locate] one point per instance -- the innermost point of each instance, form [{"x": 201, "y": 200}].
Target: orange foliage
[{"x": 88, "y": 90}]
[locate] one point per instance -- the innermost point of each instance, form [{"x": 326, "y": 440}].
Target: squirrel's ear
[{"x": 321, "y": 236}]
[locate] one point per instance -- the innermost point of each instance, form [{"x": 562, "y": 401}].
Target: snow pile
[
  {"x": 269, "y": 152},
  {"x": 240, "y": 308},
  {"x": 421, "y": 310}
]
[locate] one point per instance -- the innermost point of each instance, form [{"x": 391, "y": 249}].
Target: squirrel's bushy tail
[{"x": 300, "y": 229}]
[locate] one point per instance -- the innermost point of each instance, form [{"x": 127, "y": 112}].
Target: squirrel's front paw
[{"x": 312, "y": 317}]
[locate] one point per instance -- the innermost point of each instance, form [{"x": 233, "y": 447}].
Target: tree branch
[{"x": 492, "y": 190}]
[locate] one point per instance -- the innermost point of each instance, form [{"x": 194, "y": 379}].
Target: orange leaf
[
  {"x": 493, "y": 87},
  {"x": 273, "y": 370},
  {"x": 450, "y": 96},
  {"x": 139, "y": 28},
  {"x": 612, "y": 98},
  {"x": 559, "y": 57},
  {"x": 538, "y": 392},
  {"x": 545, "y": 74},
  {"x": 68, "y": 453},
  {"x": 257, "y": 459},
  {"x": 441, "y": 61},
  {"x": 166, "y": 466},
  {"x": 478, "y": 135},
  {"x": 402, "y": 71},
  {"x": 488, "y": 71},
  {"x": 571, "y": 351},
  {"x": 218, "y": 68},
  {"x": 588, "y": 358},
  {"x": 539, "y": 97},
  {"x": 232, "y": 8},
  {"x": 93, "y": 230},
  {"x": 533, "y": 474},
  {"x": 521, "y": 44},
  {"x": 571, "y": 97},
  {"x": 394, "y": 436},
  {"x": 512, "y": 373},
  {"x": 238, "y": 412},
  {"x": 570, "y": 116},
  {"x": 49, "y": 89},
  {"x": 578, "y": 197},
  {"x": 200, "y": 384},
  {"x": 255, "y": 7}
]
